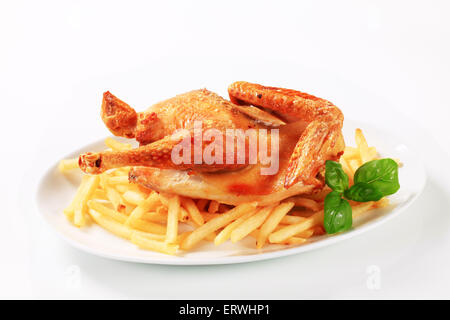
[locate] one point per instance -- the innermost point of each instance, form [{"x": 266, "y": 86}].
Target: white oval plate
[{"x": 56, "y": 190}]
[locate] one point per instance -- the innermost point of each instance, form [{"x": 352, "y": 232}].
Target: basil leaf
[
  {"x": 337, "y": 213},
  {"x": 381, "y": 174},
  {"x": 363, "y": 192},
  {"x": 335, "y": 177}
]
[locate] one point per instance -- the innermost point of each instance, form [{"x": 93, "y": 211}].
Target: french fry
[
  {"x": 272, "y": 222},
  {"x": 183, "y": 215},
  {"x": 209, "y": 237},
  {"x": 67, "y": 165},
  {"x": 110, "y": 224},
  {"x": 193, "y": 211},
  {"x": 114, "y": 196},
  {"x": 134, "y": 197},
  {"x": 305, "y": 203},
  {"x": 223, "y": 208},
  {"x": 69, "y": 210},
  {"x": 80, "y": 207},
  {"x": 182, "y": 236},
  {"x": 154, "y": 245},
  {"x": 113, "y": 214},
  {"x": 122, "y": 188},
  {"x": 147, "y": 226},
  {"x": 164, "y": 200},
  {"x": 288, "y": 219},
  {"x": 363, "y": 148},
  {"x": 250, "y": 224},
  {"x": 116, "y": 145},
  {"x": 294, "y": 229},
  {"x": 351, "y": 153},
  {"x": 151, "y": 236},
  {"x": 224, "y": 235},
  {"x": 347, "y": 169},
  {"x": 148, "y": 204},
  {"x": 172, "y": 219},
  {"x": 99, "y": 194},
  {"x": 354, "y": 165},
  {"x": 213, "y": 206},
  {"x": 155, "y": 217},
  {"x": 216, "y": 223},
  {"x": 295, "y": 241},
  {"x": 373, "y": 153},
  {"x": 118, "y": 180},
  {"x": 361, "y": 208},
  {"x": 383, "y": 202},
  {"x": 201, "y": 204},
  {"x": 209, "y": 216}
]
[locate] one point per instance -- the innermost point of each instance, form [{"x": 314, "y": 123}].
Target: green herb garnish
[{"x": 372, "y": 181}]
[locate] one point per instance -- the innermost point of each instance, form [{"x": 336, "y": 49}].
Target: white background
[{"x": 56, "y": 59}]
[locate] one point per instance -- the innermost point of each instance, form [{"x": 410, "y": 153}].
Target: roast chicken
[{"x": 308, "y": 132}]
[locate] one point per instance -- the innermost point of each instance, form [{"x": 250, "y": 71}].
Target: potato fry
[
  {"x": 354, "y": 165},
  {"x": 116, "y": 145},
  {"x": 305, "y": 203},
  {"x": 110, "y": 224},
  {"x": 383, "y": 202},
  {"x": 347, "y": 169},
  {"x": 288, "y": 219},
  {"x": 148, "y": 204},
  {"x": 182, "y": 236},
  {"x": 223, "y": 208},
  {"x": 151, "y": 236},
  {"x": 351, "y": 153},
  {"x": 154, "y": 245},
  {"x": 362, "y": 146},
  {"x": 294, "y": 229},
  {"x": 213, "y": 206},
  {"x": 134, "y": 197},
  {"x": 224, "y": 235},
  {"x": 201, "y": 204},
  {"x": 80, "y": 207},
  {"x": 251, "y": 224},
  {"x": 122, "y": 188},
  {"x": 361, "y": 208},
  {"x": 113, "y": 214},
  {"x": 209, "y": 216},
  {"x": 118, "y": 180},
  {"x": 69, "y": 210},
  {"x": 147, "y": 226},
  {"x": 295, "y": 241},
  {"x": 68, "y": 165},
  {"x": 114, "y": 196},
  {"x": 99, "y": 194},
  {"x": 164, "y": 199},
  {"x": 183, "y": 215},
  {"x": 172, "y": 219},
  {"x": 193, "y": 211},
  {"x": 272, "y": 222},
  {"x": 216, "y": 223},
  {"x": 155, "y": 217}
]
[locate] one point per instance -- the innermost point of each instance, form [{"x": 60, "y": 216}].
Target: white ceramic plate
[{"x": 56, "y": 190}]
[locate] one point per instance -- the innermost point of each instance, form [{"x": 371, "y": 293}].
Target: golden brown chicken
[{"x": 309, "y": 134}]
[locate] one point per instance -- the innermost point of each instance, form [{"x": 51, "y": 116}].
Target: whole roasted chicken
[{"x": 308, "y": 132}]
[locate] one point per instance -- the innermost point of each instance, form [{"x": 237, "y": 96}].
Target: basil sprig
[
  {"x": 335, "y": 177},
  {"x": 372, "y": 181},
  {"x": 338, "y": 213}
]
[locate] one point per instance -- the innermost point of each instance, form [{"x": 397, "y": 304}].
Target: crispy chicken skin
[
  {"x": 309, "y": 131},
  {"x": 324, "y": 124}
]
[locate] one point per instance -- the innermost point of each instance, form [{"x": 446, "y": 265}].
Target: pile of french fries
[{"x": 171, "y": 223}]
